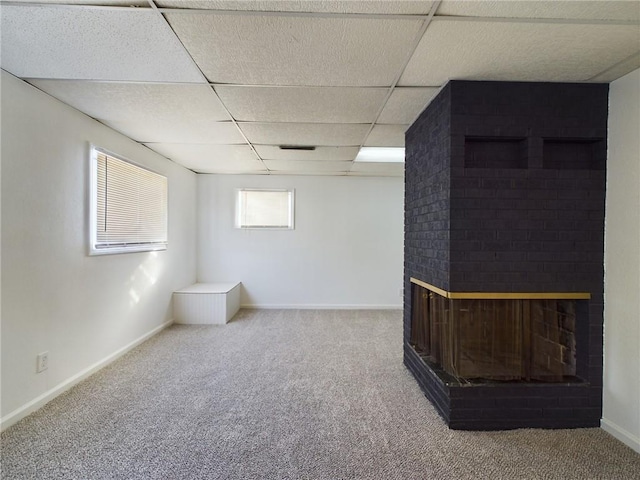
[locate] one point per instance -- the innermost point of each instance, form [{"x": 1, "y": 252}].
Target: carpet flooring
[{"x": 282, "y": 394}]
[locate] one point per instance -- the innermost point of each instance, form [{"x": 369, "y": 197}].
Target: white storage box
[{"x": 206, "y": 303}]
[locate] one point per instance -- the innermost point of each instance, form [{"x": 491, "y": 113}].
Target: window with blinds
[
  {"x": 271, "y": 209},
  {"x": 129, "y": 206}
]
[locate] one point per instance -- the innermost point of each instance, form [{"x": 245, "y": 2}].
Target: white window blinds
[
  {"x": 264, "y": 209},
  {"x": 130, "y": 206}
]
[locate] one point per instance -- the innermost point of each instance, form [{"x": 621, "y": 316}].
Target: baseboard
[
  {"x": 621, "y": 434},
  {"x": 39, "y": 402},
  {"x": 320, "y": 307}
]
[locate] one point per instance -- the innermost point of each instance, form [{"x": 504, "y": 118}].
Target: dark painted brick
[
  {"x": 573, "y": 402},
  {"x": 467, "y": 413},
  {"x": 560, "y": 412},
  {"x": 544, "y": 402},
  {"x": 535, "y": 214},
  {"x": 523, "y": 229},
  {"x": 472, "y": 402},
  {"x": 513, "y": 413},
  {"x": 510, "y": 235},
  {"x": 543, "y": 235}
]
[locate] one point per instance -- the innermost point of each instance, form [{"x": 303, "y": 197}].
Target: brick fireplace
[{"x": 504, "y": 242}]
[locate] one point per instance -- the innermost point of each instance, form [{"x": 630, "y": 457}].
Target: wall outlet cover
[{"x": 42, "y": 362}]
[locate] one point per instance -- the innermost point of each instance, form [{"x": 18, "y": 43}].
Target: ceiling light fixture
[{"x": 381, "y": 155}]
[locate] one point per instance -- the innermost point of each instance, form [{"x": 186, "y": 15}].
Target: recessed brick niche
[{"x": 504, "y": 244}]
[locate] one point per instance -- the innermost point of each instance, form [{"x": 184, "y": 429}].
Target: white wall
[
  {"x": 55, "y": 298},
  {"x": 345, "y": 251},
  {"x": 621, "y": 410}
]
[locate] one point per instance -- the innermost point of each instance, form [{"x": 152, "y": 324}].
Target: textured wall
[
  {"x": 345, "y": 250},
  {"x": 621, "y": 415},
  {"x": 81, "y": 309}
]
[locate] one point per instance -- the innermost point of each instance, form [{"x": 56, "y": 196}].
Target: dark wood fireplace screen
[{"x": 502, "y": 337}]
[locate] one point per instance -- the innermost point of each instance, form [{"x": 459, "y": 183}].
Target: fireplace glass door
[{"x": 488, "y": 339}]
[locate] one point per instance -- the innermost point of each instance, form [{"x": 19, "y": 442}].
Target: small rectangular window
[
  {"x": 257, "y": 208},
  {"x": 128, "y": 206}
]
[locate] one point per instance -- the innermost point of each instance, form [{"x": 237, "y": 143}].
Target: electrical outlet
[{"x": 42, "y": 362}]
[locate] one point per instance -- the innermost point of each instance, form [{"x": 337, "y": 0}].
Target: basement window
[
  {"x": 264, "y": 209},
  {"x": 128, "y": 206}
]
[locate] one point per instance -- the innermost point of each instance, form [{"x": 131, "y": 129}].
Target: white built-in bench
[{"x": 206, "y": 303}]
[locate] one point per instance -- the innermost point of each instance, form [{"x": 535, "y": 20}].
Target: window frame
[
  {"x": 238, "y": 213},
  {"x": 94, "y": 150}
]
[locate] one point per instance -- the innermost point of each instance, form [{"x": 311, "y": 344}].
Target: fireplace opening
[{"x": 479, "y": 340}]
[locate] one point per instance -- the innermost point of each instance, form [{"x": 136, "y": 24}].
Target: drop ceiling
[{"x": 219, "y": 85}]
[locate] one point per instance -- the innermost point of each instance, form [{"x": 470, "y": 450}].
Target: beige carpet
[{"x": 282, "y": 394}]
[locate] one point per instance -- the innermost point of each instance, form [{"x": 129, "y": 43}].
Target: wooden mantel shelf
[{"x": 503, "y": 295}]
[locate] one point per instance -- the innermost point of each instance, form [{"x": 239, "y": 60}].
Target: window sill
[{"x": 128, "y": 249}]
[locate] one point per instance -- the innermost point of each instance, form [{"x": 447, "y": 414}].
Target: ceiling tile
[
  {"x": 386, "y": 136},
  {"x": 307, "y": 167},
  {"x": 288, "y": 50},
  {"x": 467, "y": 50},
  {"x": 211, "y": 158},
  {"x": 271, "y": 152},
  {"x": 321, "y": 134},
  {"x": 307, "y": 104},
  {"x": 593, "y": 10},
  {"x": 150, "y": 112},
  {"x": 619, "y": 70},
  {"x": 390, "y": 169},
  {"x": 404, "y": 7},
  {"x": 405, "y": 104},
  {"x": 97, "y": 44},
  {"x": 184, "y": 130}
]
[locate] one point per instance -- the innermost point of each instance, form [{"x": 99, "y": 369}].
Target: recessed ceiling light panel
[{"x": 380, "y": 155}]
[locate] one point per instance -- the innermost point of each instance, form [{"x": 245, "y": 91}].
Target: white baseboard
[
  {"x": 321, "y": 307},
  {"x": 49, "y": 395},
  {"x": 621, "y": 434}
]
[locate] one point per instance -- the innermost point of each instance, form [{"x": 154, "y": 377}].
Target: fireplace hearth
[{"x": 504, "y": 241}]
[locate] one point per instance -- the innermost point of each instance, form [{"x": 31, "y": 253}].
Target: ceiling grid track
[
  {"x": 206, "y": 81},
  {"x": 275, "y": 13},
  {"x": 412, "y": 50},
  {"x": 612, "y": 67},
  {"x": 556, "y": 21}
]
